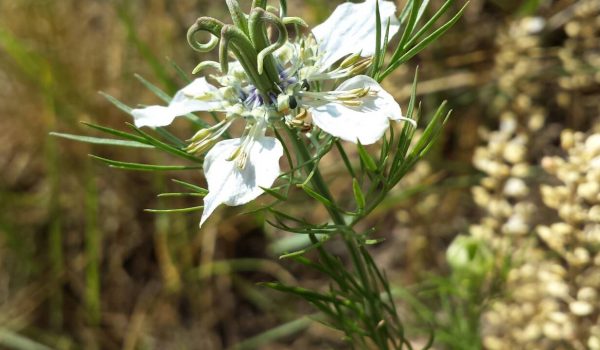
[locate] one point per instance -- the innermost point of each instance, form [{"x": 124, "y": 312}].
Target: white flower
[
  {"x": 358, "y": 110},
  {"x": 230, "y": 184},
  {"x": 236, "y": 169}
]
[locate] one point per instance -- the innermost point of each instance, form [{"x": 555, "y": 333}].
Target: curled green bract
[
  {"x": 243, "y": 48},
  {"x": 205, "y": 24},
  {"x": 258, "y": 34},
  {"x": 232, "y": 38},
  {"x": 237, "y": 15},
  {"x": 205, "y": 65},
  {"x": 264, "y": 17},
  {"x": 294, "y": 21},
  {"x": 247, "y": 40},
  {"x": 263, "y": 5}
]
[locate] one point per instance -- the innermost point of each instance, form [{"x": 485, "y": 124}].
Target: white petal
[
  {"x": 366, "y": 123},
  {"x": 153, "y": 116},
  {"x": 199, "y": 95},
  {"x": 229, "y": 185},
  {"x": 351, "y": 28}
]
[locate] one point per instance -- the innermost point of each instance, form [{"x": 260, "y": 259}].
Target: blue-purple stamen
[{"x": 252, "y": 97}]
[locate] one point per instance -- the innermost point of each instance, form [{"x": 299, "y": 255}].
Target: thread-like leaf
[
  {"x": 192, "y": 187},
  {"x": 326, "y": 202},
  {"x": 424, "y": 43},
  {"x": 274, "y": 193},
  {"x": 101, "y": 141},
  {"x": 117, "y": 133},
  {"x": 172, "y": 211},
  {"x": 142, "y": 167},
  {"x": 359, "y": 197},
  {"x": 164, "y": 146},
  {"x": 120, "y": 105},
  {"x": 366, "y": 158}
]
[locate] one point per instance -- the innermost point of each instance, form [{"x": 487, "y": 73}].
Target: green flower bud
[{"x": 469, "y": 255}]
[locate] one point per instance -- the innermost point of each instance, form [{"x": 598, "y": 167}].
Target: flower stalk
[{"x": 366, "y": 293}]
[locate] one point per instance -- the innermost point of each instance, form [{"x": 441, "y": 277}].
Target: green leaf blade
[{"x": 101, "y": 141}]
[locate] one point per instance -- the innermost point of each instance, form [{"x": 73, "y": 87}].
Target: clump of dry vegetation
[{"x": 547, "y": 298}]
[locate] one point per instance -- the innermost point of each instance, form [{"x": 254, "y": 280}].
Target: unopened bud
[
  {"x": 200, "y": 147},
  {"x": 469, "y": 255},
  {"x": 200, "y": 135},
  {"x": 350, "y": 60},
  {"x": 362, "y": 66}
]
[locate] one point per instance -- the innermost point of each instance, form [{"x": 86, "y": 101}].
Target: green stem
[{"x": 352, "y": 244}]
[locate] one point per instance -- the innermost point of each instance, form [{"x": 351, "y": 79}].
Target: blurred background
[{"x": 515, "y": 176}]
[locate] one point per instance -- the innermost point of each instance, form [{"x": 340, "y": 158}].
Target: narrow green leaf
[
  {"x": 407, "y": 133},
  {"x": 378, "y": 53},
  {"x": 178, "y": 210},
  {"x": 430, "y": 22},
  {"x": 301, "y": 230},
  {"x": 359, "y": 197},
  {"x": 432, "y": 128},
  {"x": 120, "y": 105},
  {"x": 287, "y": 216},
  {"x": 154, "y": 89},
  {"x": 140, "y": 166},
  {"x": 345, "y": 158},
  {"x": 316, "y": 196},
  {"x": 406, "y": 11},
  {"x": 192, "y": 187},
  {"x": 166, "y": 147},
  {"x": 385, "y": 148},
  {"x": 424, "y": 43},
  {"x": 413, "y": 94},
  {"x": 366, "y": 158},
  {"x": 434, "y": 136},
  {"x": 406, "y": 137},
  {"x": 309, "y": 263},
  {"x": 408, "y": 29},
  {"x": 314, "y": 160},
  {"x": 422, "y": 9},
  {"x": 181, "y": 194},
  {"x": 384, "y": 50},
  {"x": 174, "y": 140},
  {"x": 274, "y": 193},
  {"x": 180, "y": 71},
  {"x": 304, "y": 250},
  {"x": 117, "y": 133},
  {"x": 101, "y": 141}
]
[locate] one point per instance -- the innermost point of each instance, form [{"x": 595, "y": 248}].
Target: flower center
[{"x": 253, "y": 98}]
